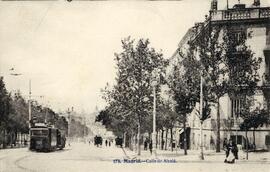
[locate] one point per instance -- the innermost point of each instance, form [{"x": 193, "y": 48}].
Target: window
[
  {"x": 199, "y": 137},
  {"x": 238, "y": 36},
  {"x": 193, "y": 138},
  {"x": 267, "y": 140},
  {"x": 204, "y": 140},
  {"x": 41, "y": 132},
  {"x": 236, "y": 106}
]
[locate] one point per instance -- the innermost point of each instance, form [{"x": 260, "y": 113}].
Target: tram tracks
[{"x": 18, "y": 165}]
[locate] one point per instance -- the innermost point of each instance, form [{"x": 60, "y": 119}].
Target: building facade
[{"x": 252, "y": 23}]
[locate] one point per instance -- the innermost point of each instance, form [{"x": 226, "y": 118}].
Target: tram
[{"x": 46, "y": 138}]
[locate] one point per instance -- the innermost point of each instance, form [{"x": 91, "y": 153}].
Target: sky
[{"x": 67, "y": 49}]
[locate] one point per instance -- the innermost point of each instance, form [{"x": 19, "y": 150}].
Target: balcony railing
[{"x": 240, "y": 14}]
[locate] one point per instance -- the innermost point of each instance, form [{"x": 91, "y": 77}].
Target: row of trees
[
  {"x": 14, "y": 116},
  {"x": 216, "y": 62},
  {"x": 130, "y": 100},
  {"x": 229, "y": 67}
]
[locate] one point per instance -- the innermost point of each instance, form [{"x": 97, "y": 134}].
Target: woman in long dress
[{"x": 231, "y": 152}]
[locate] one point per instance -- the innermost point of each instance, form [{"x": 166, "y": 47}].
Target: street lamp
[
  {"x": 201, "y": 120},
  {"x": 155, "y": 80}
]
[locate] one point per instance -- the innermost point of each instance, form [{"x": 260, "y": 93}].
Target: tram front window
[{"x": 39, "y": 132}]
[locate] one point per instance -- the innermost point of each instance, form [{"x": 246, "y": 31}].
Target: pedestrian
[
  {"x": 109, "y": 143},
  {"x": 231, "y": 152},
  {"x": 162, "y": 144},
  {"x": 151, "y": 147},
  {"x": 145, "y": 145},
  {"x": 106, "y": 142},
  {"x": 225, "y": 144}
]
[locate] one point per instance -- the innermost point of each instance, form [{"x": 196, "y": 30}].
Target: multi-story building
[{"x": 252, "y": 23}]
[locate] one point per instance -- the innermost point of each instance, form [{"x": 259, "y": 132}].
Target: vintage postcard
[{"x": 135, "y": 85}]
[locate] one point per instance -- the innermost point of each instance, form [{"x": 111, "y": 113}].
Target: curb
[{"x": 180, "y": 160}]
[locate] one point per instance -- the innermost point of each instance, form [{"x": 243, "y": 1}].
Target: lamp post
[
  {"x": 155, "y": 79},
  {"x": 201, "y": 120}
]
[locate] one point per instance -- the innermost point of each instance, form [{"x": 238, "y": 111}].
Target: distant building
[{"x": 253, "y": 23}]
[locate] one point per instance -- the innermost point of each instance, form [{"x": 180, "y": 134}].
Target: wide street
[{"x": 85, "y": 158}]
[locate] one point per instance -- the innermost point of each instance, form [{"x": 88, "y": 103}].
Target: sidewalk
[
  {"x": 13, "y": 146},
  {"x": 193, "y": 156}
]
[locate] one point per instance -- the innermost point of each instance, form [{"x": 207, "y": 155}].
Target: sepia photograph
[{"x": 134, "y": 85}]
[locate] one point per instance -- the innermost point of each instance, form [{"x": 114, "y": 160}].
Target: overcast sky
[{"x": 66, "y": 49}]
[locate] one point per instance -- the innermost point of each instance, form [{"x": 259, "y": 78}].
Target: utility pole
[
  {"x": 154, "y": 120},
  {"x": 46, "y": 115},
  {"x": 201, "y": 120},
  {"x": 155, "y": 80},
  {"x": 84, "y": 130},
  {"x": 29, "y": 109},
  {"x": 69, "y": 125}
]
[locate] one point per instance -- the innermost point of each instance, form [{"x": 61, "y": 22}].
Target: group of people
[
  {"x": 99, "y": 140},
  {"x": 231, "y": 151},
  {"x": 107, "y": 143}
]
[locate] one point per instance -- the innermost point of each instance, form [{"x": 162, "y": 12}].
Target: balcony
[{"x": 240, "y": 14}]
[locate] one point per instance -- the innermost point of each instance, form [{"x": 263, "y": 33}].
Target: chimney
[
  {"x": 214, "y": 4},
  {"x": 257, "y": 3}
]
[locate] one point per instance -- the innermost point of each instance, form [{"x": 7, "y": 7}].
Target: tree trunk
[
  {"x": 254, "y": 140},
  {"x": 138, "y": 138},
  {"x": 15, "y": 138},
  {"x": 134, "y": 142},
  {"x": 124, "y": 139},
  {"x": 4, "y": 140},
  {"x": 185, "y": 136},
  {"x": 156, "y": 139},
  {"x": 218, "y": 127},
  {"x": 162, "y": 143},
  {"x": 166, "y": 141},
  {"x": 130, "y": 142},
  {"x": 171, "y": 130},
  {"x": 247, "y": 144},
  {"x": 201, "y": 140}
]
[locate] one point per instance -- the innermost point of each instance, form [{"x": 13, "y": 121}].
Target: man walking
[
  {"x": 145, "y": 145},
  {"x": 151, "y": 147}
]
